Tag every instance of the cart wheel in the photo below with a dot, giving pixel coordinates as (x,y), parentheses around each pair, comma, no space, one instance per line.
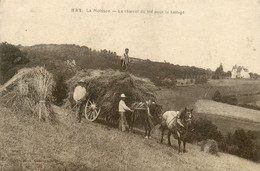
(91,111)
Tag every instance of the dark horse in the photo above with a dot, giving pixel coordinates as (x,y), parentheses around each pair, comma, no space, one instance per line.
(146,113)
(170,123)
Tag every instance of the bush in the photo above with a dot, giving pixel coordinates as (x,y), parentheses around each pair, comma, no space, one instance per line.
(10,58)
(166,82)
(224,99)
(60,90)
(249,106)
(243,144)
(205,129)
(217,96)
(202,80)
(229,100)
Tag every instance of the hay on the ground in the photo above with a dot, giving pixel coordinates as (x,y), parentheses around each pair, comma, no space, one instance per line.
(29,91)
(210,146)
(104,87)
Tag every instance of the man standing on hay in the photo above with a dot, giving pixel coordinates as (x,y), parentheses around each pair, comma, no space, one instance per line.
(125,60)
(122,108)
(79,96)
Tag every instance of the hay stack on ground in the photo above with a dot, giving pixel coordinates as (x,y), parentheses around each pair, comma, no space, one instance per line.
(29,91)
(104,87)
(210,146)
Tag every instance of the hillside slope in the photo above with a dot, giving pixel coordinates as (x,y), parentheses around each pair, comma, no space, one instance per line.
(53,57)
(30,144)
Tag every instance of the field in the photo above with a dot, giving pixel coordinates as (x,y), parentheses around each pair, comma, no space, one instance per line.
(228,124)
(28,144)
(216,108)
(246,91)
(179,97)
(228,118)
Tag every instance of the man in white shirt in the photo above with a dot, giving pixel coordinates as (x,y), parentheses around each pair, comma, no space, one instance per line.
(125,60)
(122,108)
(79,96)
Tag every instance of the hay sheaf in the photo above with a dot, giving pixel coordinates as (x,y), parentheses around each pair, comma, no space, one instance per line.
(29,91)
(104,87)
(210,146)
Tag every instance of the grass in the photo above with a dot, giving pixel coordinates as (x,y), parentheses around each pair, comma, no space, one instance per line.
(248,99)
(216,108)
(237,87)
(179,97)
(28,144)
(227,124)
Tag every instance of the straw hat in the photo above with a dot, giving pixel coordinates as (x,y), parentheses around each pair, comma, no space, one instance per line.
(123,95)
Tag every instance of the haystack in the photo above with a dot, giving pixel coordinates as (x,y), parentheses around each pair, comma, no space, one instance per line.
(104,88)
(210,146)
(30,92)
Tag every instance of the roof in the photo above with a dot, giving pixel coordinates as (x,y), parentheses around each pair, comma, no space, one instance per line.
(240,68)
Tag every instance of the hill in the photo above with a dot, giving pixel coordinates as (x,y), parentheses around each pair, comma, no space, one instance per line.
(28,144)
(54,57)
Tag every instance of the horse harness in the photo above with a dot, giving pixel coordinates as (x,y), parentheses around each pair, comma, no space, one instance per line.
(179,128)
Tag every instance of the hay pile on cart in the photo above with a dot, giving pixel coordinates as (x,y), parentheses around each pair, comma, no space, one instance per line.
(104,89)
(29,92)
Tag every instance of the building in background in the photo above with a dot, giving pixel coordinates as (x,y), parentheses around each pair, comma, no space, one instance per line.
(240,72)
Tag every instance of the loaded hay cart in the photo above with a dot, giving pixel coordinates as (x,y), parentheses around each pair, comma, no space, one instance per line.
(103,92)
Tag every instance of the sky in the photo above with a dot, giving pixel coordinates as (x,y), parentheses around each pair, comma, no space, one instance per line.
(209,32)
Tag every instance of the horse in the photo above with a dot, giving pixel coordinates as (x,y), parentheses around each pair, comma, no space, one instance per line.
(145,112)
(169,122)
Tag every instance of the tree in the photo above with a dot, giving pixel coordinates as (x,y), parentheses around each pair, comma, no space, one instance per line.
(218,72)
(10,57)
(205,129)
(244,143)
(217,96)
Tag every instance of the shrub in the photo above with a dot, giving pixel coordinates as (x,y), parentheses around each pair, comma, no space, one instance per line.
(202,80)
(166,82)
(10,57)
(254,107)
(217,96)
(224,99)
(243,144)
(229,100)
(205,129)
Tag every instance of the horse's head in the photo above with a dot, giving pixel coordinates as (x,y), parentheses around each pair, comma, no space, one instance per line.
(187,117)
